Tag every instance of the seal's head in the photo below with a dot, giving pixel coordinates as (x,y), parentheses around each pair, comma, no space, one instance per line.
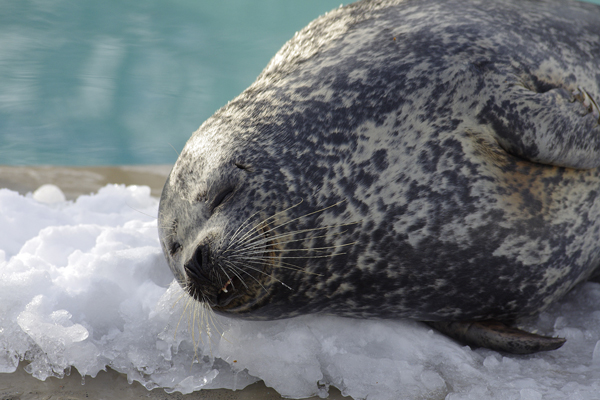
(237,226)
(213,238)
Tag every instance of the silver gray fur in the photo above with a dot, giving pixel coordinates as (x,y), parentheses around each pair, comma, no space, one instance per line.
(449,139)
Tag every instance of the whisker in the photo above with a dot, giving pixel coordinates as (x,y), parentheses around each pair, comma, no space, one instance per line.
(255,228)
(203,325)
(260,272)
(260,242)
(173,149)
(204,319)
(219,328)
(252,276)
(143,213)
(192,329)
(181,296)
(284,265)
(255,252)
(302,216)
(278,236)
(289,257)
(226,274)
(201,319)
(180,317)
(231,240)
(238,276)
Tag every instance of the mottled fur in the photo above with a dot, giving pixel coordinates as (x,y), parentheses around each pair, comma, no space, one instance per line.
(460,166)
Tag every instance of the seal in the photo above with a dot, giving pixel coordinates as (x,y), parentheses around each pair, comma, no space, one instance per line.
(422,159)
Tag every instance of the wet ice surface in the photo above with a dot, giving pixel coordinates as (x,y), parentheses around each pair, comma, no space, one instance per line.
(84,284)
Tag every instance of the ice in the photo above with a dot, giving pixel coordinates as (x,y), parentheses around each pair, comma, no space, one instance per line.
(49,194)
(83,284)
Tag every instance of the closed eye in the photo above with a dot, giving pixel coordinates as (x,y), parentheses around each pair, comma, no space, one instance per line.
(223,196)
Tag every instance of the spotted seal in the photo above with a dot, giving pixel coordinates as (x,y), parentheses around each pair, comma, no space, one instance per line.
(423,159)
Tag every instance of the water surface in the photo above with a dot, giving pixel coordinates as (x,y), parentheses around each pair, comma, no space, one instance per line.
(120,82)
(127,82)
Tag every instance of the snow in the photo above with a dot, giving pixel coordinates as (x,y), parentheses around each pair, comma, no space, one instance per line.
(83,284)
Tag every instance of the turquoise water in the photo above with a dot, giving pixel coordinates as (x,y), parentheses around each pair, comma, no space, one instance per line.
(120,82)
(125,82)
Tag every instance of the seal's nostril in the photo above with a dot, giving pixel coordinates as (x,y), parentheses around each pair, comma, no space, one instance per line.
(200,257)
(198,264)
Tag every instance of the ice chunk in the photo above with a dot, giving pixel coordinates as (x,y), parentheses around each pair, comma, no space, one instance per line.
(49,194)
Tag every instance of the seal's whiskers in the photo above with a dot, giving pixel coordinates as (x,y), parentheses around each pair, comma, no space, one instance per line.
(200,319)
(256,229)
(285,265)
(233,266)
(242,225)
(253,252)
(262,240)
(233,270)
(226,274)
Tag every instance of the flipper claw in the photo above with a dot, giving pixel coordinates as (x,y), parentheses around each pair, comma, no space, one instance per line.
(581,95)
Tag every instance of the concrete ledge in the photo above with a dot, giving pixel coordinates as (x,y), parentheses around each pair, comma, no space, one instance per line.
(75,181)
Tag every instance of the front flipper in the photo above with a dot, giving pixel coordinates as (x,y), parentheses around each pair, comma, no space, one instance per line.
(497,336)
(544,123)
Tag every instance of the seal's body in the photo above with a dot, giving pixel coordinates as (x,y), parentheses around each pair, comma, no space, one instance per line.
(434,160)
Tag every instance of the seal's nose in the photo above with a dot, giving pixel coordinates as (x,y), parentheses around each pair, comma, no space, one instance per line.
(198,267)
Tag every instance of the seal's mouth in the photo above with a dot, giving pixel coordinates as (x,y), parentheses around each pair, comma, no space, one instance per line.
(234,280)
(231,291)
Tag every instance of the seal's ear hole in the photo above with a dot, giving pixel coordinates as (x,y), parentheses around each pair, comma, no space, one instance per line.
(242,166)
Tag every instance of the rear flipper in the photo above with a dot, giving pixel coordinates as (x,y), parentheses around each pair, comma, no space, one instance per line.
(496,336)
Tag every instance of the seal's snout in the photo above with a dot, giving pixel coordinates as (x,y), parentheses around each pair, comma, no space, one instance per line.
(207,280)
(198,271)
